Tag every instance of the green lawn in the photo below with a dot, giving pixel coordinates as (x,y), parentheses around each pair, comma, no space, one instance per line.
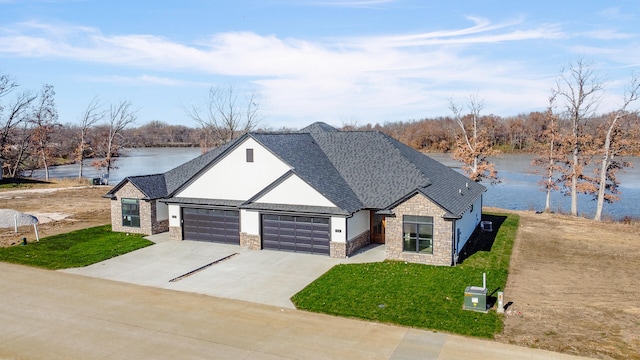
(75,249)
(417,295)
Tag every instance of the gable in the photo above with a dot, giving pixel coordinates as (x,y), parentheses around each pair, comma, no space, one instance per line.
(129,191)
(149,186)
(294,191)
(231,177)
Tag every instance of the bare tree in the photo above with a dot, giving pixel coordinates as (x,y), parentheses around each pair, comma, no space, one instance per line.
(7,85)
(44,118)
(608,166)
(549,152)
(225,117)
(16,114)
(473,147)
(12,115)
(579,91)
(92,114)
(120,116)
(19,150)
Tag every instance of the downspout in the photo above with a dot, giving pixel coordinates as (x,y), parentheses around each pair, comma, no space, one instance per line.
(453,243)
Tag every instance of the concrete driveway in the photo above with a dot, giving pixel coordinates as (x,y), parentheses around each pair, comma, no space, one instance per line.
(265,277)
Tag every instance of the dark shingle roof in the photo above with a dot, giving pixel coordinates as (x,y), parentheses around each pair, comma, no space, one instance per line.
(375,170)
(312,210)
(152,186)
(450,189)
(200,201)
(353,169)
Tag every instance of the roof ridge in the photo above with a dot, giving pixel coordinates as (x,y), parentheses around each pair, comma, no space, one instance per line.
(146,175)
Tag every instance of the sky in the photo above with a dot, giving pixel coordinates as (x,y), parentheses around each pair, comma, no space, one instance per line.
(338,61)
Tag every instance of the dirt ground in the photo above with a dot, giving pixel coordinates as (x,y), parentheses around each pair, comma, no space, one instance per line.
(61,210)
(574,287)
(573,283)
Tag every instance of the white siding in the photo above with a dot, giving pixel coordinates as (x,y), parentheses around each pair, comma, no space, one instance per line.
(162,211)
(295,191)
(467,224)
(338,229)
(358,223)
(174,215)
(233,178)
(250,222)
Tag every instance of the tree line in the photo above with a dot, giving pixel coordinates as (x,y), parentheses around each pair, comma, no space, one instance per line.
(568,137)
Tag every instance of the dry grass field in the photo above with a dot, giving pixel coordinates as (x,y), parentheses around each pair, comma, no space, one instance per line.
(574,287)
(59,210)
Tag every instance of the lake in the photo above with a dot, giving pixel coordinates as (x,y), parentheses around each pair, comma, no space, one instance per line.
(519,189)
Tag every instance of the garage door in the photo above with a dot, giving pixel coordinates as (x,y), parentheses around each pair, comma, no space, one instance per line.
(296,233)
(221,226)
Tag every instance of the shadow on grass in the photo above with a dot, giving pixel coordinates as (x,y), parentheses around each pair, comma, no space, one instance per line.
(16,182)
(482,240)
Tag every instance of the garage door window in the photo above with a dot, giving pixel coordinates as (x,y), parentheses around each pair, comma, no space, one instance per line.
(296,233)
(131,212)
(417,234)
(215,225)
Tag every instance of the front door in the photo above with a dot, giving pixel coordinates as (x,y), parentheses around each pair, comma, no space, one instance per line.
(378,224)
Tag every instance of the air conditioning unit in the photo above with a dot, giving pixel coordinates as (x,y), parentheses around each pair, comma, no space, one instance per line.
(486,226)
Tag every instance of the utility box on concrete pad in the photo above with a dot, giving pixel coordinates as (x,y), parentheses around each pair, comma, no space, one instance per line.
(475,298)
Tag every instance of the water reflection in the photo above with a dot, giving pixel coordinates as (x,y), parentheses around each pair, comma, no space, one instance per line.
(519,190)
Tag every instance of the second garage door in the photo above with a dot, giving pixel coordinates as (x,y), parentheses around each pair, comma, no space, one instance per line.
(296,233)
(215,225)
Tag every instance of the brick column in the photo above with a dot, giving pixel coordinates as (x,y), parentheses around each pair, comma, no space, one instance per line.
(250,241)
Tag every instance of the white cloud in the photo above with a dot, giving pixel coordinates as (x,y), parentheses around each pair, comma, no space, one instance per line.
(144,80)
(370,79)
(615,13)
(608,34)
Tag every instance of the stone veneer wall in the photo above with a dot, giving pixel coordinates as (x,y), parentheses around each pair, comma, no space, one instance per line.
(338,250)
(342,250)
(160,226)
(175,233)
(358,242)
(147,211)
(250,241)
(419,205)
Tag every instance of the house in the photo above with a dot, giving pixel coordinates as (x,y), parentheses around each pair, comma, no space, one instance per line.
(318,190)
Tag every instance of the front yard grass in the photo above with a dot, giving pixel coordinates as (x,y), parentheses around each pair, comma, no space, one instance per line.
(74,249)
(416,295)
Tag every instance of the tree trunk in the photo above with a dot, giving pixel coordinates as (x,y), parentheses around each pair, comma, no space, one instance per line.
(603,171)
(46,166)
(80,172)
(108,168)
(81,155)
(547,205)
(574,185)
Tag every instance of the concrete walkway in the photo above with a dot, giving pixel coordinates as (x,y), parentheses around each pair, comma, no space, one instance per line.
(55,315)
